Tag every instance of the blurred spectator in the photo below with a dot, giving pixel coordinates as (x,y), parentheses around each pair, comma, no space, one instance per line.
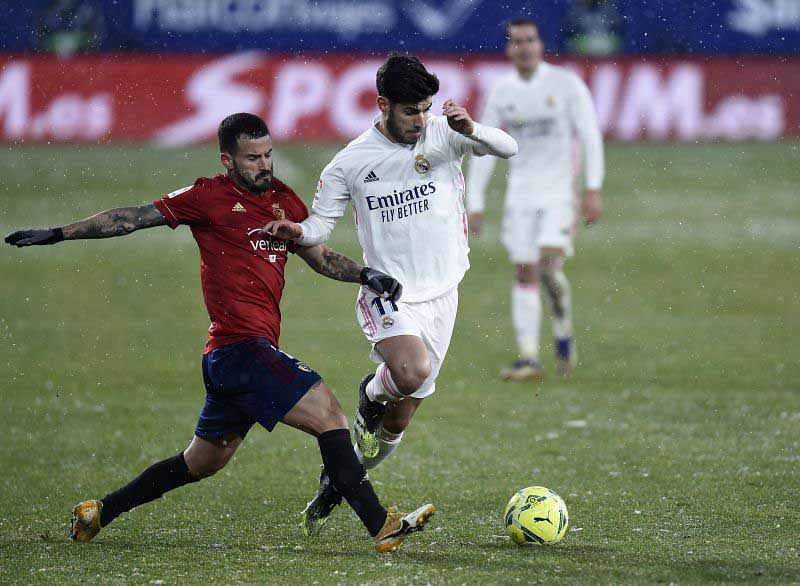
(68,27)
(594,28)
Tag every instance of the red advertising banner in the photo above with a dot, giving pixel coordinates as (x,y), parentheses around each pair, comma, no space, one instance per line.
(174,100)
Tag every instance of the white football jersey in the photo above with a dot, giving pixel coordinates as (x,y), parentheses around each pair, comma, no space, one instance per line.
(543,114)
(408,202)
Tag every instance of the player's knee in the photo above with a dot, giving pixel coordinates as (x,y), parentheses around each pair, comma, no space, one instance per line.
(551,262)
(208,467)
(410,377)
(546,274)
(527,275)
(335,419)
(551,271)
(330,415)
(205,458)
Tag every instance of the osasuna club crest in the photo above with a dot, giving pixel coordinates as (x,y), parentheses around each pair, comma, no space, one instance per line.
(279,213)
(421,164)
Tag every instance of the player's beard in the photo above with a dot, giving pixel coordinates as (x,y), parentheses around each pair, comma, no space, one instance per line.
(394,129)
(252,186)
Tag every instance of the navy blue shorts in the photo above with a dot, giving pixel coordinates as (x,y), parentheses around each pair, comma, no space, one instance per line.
(250,382)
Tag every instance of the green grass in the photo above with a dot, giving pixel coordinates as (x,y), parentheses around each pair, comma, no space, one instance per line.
(685,466)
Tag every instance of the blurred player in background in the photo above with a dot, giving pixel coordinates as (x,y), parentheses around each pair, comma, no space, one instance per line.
(542,106)
(403,176)
(248,379)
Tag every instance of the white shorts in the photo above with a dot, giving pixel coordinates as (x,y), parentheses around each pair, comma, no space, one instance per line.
(432,321)
(525,232)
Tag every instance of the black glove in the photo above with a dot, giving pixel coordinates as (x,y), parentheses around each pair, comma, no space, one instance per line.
(31,237)
(381,284)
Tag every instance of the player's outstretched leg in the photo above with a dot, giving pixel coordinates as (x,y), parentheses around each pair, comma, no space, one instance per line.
(350,479)
(559,298)
(343,476)
(320,414)
(90,516)
(205,458)
(316,513)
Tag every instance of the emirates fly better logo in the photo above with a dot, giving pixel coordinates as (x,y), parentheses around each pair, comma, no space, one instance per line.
(402,203)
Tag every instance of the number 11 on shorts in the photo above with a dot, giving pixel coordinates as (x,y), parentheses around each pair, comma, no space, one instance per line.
(378,303)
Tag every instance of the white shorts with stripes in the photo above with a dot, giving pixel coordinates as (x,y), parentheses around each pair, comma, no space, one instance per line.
(431,320)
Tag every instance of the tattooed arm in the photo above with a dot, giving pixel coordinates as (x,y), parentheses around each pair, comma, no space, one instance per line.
(330,263)
(116,222)
(333,265)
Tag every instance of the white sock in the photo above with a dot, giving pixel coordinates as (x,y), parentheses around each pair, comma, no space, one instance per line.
(388,441)
(382,387)
(526,314)
(559,299)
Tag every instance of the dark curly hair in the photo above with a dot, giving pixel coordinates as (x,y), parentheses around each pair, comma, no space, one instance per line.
(403,79)
(236,126)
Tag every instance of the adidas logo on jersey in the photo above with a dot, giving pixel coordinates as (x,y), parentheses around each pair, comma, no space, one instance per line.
(238,208)
(371,177)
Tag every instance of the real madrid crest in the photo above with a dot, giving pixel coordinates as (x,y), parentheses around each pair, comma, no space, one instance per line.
(279,213)
(551,101)
(388,322)
(421,164)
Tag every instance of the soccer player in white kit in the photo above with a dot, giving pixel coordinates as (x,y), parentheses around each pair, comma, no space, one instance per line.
(543,107)
(403,177)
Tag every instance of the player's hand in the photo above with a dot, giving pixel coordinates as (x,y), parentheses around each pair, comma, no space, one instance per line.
(592,206)
(283,230)
(475,223)
(33,237)
(458,118)
(381,284)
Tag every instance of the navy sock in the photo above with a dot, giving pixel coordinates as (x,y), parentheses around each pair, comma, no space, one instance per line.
(350,478)
(159,478)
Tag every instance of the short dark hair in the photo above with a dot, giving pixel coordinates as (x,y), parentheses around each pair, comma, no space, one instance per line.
(520,21)
(237,126)
(403,79)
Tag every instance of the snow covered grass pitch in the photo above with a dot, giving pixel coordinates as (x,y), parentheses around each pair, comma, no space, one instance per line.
(675,445)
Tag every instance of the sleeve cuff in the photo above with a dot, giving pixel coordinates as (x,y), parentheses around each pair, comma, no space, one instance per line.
(162,207)
(477,131)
